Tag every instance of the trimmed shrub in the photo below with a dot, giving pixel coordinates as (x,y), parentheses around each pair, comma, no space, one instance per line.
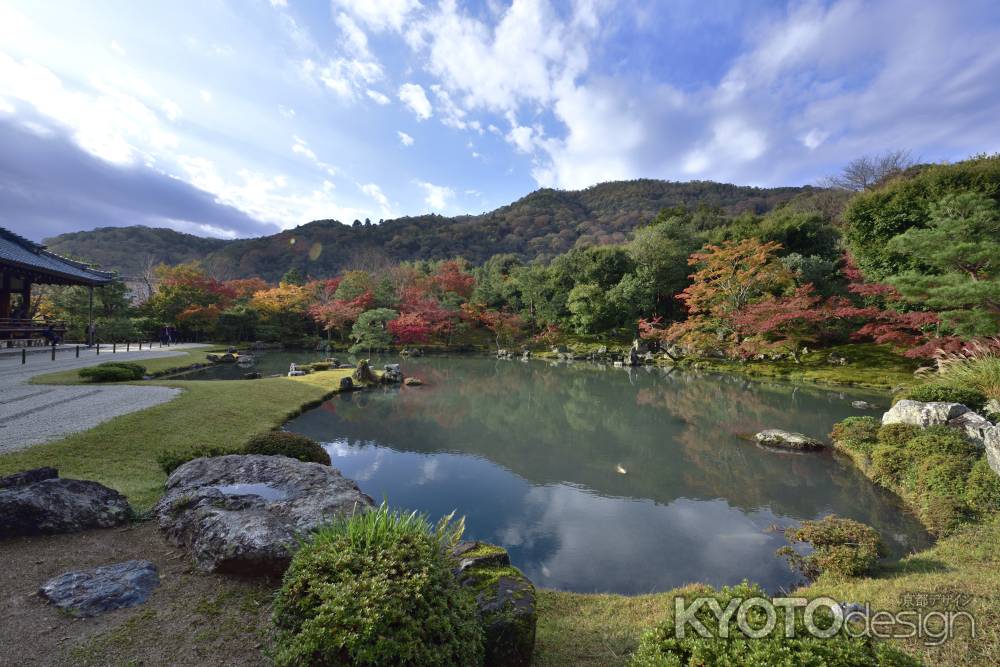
(842,546)
(947,393)
(940,475)
(283,443)
(888,465)
(376,589)
(940,440)
(171,460)
(113,371)
(982,490)
(856,433)
(897,435)
(660,647)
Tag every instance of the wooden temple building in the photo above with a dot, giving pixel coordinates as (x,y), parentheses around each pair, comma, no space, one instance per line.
(24,263)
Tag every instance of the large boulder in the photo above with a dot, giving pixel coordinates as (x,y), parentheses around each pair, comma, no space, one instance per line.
(917,413)
(38,502)
(505,599)
(92,592)
(246,513)
(363,374)
(973,426)
(775,437)
(992,444)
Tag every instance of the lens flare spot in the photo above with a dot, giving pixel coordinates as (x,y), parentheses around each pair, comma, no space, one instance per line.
(315,251)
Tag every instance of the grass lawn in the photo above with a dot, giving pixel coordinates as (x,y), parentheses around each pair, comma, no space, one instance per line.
(121,453)
(183,359)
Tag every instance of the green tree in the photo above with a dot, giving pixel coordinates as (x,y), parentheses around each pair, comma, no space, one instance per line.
(370,331)
(961,248)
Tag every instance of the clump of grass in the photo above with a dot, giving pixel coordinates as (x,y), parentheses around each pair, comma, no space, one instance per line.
(841,546)
(283,443)
(375,589)
(976,366)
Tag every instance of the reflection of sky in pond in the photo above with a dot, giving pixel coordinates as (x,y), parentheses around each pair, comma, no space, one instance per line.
(532,455)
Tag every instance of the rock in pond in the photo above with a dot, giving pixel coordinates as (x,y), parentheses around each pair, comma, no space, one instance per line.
(346,384)
(392,373)
(91,592)
(363,374)
(245,513)
(774,437)
(505,599)
(38,502)
(922,414)
(863,405)
(413,382)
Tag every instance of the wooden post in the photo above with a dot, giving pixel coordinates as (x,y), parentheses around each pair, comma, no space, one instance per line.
(53,349)
(90,321)
(98,349)
(24,356)
(77,351)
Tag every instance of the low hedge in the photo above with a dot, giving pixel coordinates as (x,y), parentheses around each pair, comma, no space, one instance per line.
(113,371)
(842,546)
(662,647)
(283,443)
(376,590)
(170,461)
(941,392)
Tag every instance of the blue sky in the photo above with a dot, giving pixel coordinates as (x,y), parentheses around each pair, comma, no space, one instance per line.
(238,118)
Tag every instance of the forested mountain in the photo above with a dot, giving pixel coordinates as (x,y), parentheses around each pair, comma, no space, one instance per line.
(131,249)
(541,225)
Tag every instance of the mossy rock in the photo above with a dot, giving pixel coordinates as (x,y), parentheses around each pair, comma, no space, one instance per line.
(505,599)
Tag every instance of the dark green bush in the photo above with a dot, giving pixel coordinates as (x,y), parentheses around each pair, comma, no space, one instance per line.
(376,590)
(842,546)
(171,460)
(940,440)
(283,443)
(946,393)
(113,371)
(940,475)
(856,433)
(982,491)
(660,647)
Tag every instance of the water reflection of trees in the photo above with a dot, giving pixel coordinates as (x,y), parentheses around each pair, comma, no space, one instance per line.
(676,435)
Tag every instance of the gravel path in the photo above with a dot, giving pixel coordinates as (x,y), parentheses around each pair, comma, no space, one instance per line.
(31,414)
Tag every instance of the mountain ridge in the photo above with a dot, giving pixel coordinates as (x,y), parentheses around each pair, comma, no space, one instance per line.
(540,225)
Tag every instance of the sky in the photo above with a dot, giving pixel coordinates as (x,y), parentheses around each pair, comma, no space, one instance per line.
(238,118)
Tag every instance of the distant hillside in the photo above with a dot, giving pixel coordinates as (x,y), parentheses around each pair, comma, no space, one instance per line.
(541,225)
(129,249)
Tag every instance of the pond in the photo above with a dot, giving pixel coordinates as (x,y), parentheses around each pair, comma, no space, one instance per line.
(607,479)
(272,362)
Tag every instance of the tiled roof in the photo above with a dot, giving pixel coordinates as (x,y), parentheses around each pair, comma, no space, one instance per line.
(19,252)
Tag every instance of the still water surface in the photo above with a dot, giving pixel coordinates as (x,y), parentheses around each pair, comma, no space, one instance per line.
(614,480)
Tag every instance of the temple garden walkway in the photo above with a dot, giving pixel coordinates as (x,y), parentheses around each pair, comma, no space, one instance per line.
(31,414)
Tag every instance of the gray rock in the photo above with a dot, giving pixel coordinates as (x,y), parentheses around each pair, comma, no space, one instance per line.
(973,426)
(245,513)
(787,440)
(863,405)
(28,477)
(91,592)
(992,444)
(392,373)
(37,502)
(992,408)
(505,599)
(413,382)
(922,414)
(363,373)
(346,384)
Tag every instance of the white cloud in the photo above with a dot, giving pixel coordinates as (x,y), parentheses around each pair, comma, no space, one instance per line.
(301,147)
(436,196)
(206,96)
(379,15)
(357,41)
(404,138)
(375,192)
(814,138)
(287,112)
(279,3)
(346,76)
(413,96)
(116,47)
(379,98)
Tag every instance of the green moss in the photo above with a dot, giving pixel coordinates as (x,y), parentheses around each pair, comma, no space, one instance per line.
(856,433)
(982,492)
(283,443)
(945,392)
(484,550)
